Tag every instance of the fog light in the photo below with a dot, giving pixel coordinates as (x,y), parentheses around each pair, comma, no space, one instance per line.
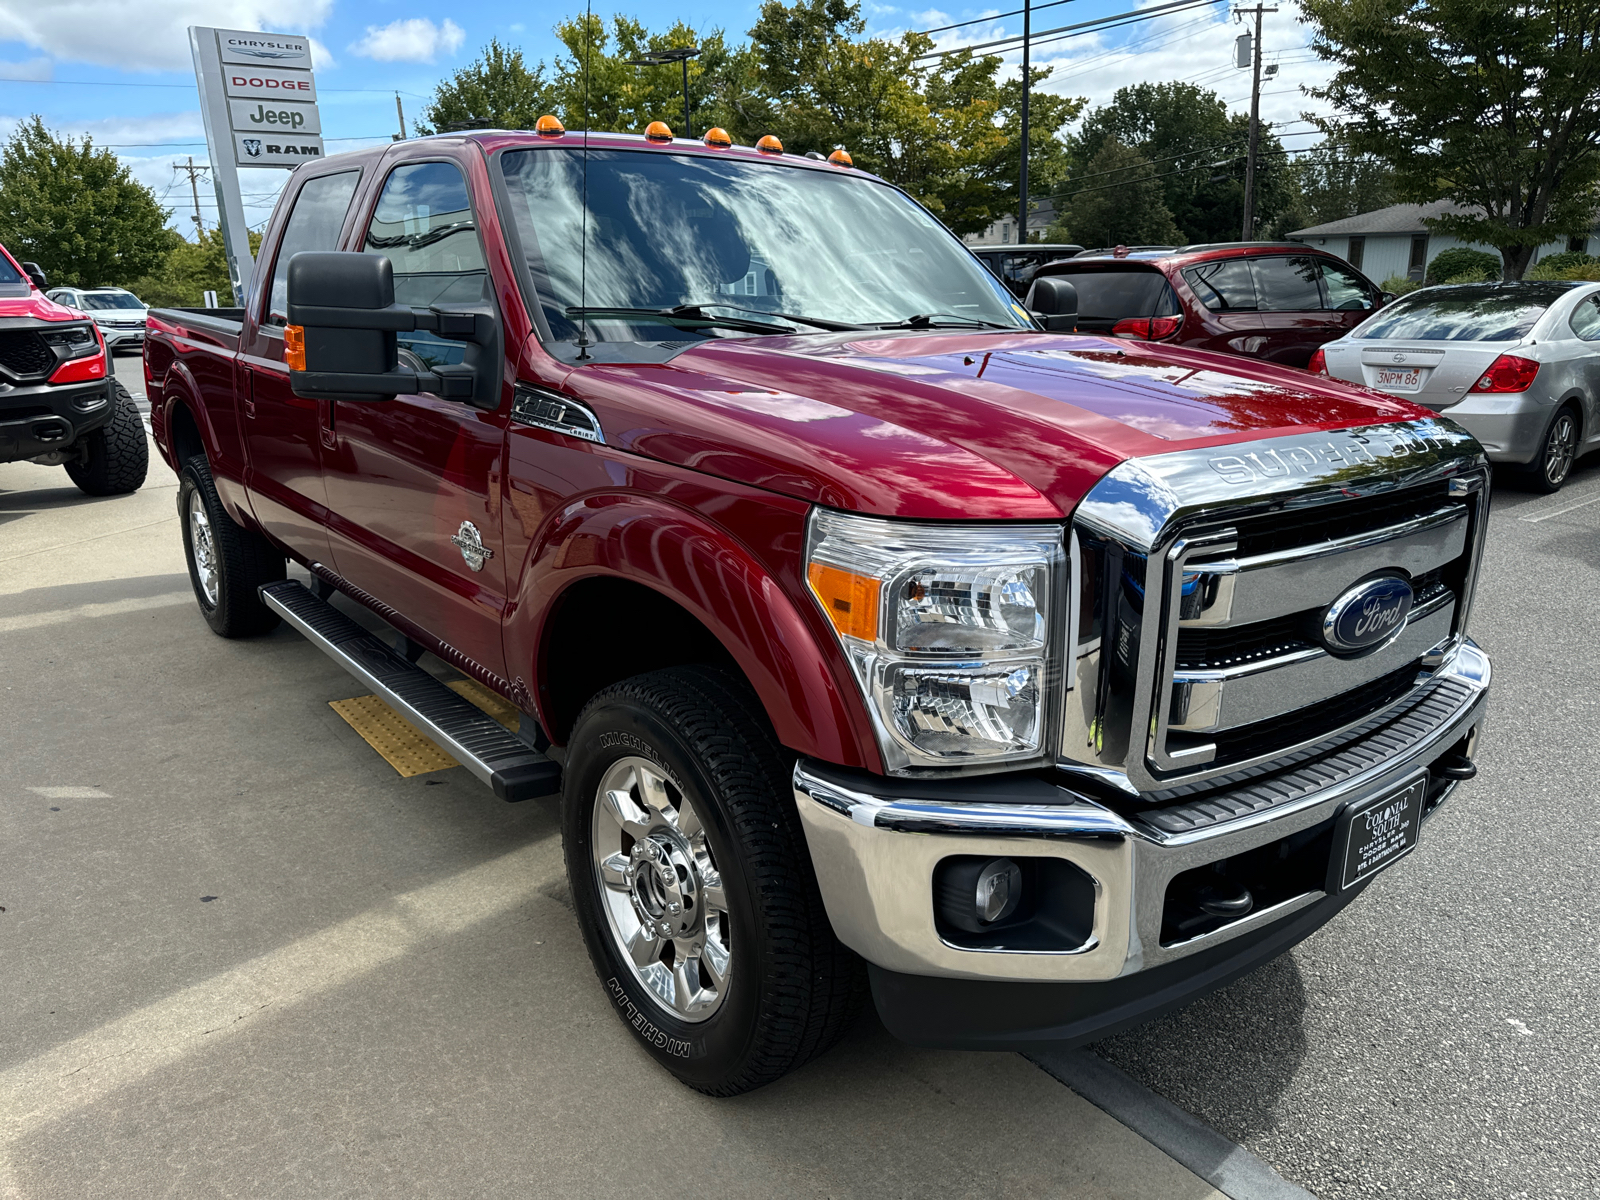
(999,888)
(974,894)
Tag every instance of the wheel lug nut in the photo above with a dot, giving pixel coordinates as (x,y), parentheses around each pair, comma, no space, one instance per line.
(674,908)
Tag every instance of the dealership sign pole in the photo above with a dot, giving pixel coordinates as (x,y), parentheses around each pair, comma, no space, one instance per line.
(258,99)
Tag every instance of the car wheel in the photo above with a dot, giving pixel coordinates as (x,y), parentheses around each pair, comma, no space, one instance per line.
(693,886)
(1551,466)
(116,456)
(227,562)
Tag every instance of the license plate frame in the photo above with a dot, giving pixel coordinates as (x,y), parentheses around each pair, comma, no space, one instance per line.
(1373,834)
(1400,379)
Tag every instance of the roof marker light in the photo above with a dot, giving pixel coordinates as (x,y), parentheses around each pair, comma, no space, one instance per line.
(769,145)
(719,138)
(548,126)
(658,131)
(841,158)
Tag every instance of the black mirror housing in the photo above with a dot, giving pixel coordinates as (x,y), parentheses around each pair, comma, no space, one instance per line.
(1053,301)
(36,275)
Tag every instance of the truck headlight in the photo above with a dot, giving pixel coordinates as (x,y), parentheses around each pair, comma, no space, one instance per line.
(948,629)
(72,341)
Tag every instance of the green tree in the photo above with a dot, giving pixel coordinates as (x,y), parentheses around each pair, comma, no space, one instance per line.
(1335,181)
(1485,102)
(1197,148)
(497,90)
(1118,201)
(1459,263)
(188,270)
(76,211)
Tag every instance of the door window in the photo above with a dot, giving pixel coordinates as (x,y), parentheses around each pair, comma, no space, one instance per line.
(1585,319)
(1347,291)
(424,225)
(314,224)
(1286,284)
(1225,285)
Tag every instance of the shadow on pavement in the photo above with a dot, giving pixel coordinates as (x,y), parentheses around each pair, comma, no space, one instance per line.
(72,595)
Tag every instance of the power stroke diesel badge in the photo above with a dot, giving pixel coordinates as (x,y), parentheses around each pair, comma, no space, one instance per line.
(471,546)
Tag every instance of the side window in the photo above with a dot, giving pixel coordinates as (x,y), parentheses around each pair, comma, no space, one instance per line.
(1585,319)
(1347,291)
(1224,286)
(424,224)
(1286,284)
(314,224)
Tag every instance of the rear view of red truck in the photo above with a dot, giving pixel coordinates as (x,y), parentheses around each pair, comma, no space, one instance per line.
(880,635)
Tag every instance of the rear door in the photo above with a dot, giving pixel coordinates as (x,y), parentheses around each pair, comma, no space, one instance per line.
(282,431)
(1226,289)
(410,479)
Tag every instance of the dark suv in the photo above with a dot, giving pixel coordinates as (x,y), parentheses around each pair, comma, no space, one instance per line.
(1277,301)
(1014,265)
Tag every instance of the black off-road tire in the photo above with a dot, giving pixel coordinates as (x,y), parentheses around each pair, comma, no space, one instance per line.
(241,559)
(793,987)
(117,457)
(1559,448)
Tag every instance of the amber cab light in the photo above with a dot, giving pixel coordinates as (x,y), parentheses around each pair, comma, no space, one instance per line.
(294,347)
(841,158)
(548,126)
(1147,329)
(769,145)
(658,131)
(1508,373)
(1318,364)
(718,138)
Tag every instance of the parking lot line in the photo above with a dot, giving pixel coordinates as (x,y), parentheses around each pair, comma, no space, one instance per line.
(1562,511)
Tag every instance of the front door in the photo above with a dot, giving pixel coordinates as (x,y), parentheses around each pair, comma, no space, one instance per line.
(411,481)
(283,431)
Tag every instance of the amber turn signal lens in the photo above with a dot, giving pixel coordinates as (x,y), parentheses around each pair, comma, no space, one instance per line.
(769,145)
(294,347)
(548,126)
(658,131)
(841,158)
(718,138)
(850,600)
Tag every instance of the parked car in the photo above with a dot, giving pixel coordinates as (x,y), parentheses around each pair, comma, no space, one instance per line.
(118,312)
(1276,301)
(1014,265)
(870,631)
(59,405)
(1517,364)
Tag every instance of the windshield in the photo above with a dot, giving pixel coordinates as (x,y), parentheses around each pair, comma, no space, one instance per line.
(668,230)
(1106,296)
(93,300)
(1464,313)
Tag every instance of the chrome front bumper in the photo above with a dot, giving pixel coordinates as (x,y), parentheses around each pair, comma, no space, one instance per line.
(875,853)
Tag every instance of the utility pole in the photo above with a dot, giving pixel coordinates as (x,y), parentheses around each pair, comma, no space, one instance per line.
(1022,183)
(1249,232)
(194,187)
(401,113)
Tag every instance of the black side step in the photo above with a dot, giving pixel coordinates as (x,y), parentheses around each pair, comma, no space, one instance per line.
(476,740)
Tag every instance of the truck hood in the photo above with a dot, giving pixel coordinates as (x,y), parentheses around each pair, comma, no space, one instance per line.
(952,424)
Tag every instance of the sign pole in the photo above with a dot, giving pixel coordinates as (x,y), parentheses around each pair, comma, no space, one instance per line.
(224,174)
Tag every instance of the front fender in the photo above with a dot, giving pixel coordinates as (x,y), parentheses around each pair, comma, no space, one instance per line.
(791,661)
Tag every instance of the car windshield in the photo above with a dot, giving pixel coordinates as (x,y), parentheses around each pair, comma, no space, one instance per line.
(94,300)
(669,230)
(1464,313)
(1108,296)
(8,273)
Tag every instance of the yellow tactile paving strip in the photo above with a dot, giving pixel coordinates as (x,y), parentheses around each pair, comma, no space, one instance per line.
(401,743)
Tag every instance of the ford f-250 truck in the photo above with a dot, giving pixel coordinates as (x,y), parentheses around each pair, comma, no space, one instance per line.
(876,630)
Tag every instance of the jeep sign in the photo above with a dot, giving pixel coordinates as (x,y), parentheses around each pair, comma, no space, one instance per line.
(273,116)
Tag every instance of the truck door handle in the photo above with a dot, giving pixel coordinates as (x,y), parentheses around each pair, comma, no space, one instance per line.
(325,422)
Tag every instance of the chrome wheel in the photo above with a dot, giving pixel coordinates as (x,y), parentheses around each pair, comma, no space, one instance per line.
(660,889)
(1560,449)
(202,548)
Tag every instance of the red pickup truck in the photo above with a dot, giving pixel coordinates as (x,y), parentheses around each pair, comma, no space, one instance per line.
(878,632)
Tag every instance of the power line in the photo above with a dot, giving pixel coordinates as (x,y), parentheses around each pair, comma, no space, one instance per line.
(1115,21)
(189,87)
(986,20)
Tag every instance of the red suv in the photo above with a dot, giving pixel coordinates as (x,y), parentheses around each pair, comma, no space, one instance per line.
(1273,300)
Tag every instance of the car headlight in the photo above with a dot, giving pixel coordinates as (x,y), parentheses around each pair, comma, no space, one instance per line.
(72,341)
(948,629)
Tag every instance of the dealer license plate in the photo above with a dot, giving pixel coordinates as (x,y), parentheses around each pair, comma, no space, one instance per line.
(1406,379)
(1371,834)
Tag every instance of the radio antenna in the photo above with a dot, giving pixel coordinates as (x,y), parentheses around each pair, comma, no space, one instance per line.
(583,232)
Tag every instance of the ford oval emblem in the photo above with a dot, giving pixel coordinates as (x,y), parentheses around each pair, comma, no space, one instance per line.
(1368,616)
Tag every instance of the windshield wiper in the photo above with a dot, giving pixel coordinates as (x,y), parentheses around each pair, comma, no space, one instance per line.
(682,316)
(819,322)
(942,320)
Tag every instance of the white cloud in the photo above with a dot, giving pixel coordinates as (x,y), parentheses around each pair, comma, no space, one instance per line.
(141,35)
(412,39)
(33,69)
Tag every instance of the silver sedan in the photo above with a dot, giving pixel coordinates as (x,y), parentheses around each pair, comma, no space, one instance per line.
(1518,364)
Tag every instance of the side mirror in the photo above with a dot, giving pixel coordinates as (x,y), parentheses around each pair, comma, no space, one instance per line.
(1389,297)
(1054,301)
(37,275)
(341,341)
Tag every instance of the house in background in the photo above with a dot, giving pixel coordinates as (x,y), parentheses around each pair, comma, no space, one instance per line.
(1393,241)
(1041,215)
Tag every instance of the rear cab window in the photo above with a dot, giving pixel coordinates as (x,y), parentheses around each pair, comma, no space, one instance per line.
(314,224)
(1107,295)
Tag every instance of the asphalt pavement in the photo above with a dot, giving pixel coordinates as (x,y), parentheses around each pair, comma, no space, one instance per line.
(244,957)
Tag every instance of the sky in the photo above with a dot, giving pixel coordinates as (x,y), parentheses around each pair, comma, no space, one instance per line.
(120,71)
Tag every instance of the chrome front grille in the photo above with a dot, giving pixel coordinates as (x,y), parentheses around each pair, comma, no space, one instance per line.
(1205,578)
